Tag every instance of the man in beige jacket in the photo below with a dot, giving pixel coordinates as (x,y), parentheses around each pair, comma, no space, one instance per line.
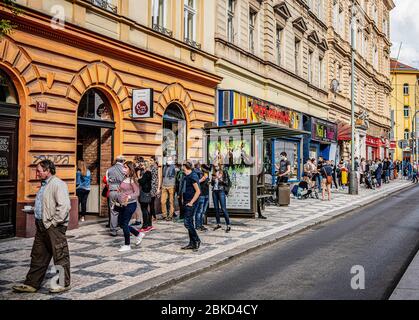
(52,208)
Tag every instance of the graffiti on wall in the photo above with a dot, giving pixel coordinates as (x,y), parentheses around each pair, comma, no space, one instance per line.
(55,158)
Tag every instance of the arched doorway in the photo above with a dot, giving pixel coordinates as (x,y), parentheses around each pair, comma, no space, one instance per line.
(9,127)
(95,144)
(174,137)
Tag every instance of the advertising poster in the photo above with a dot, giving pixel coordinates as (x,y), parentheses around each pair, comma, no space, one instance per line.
(230,152)
(239,197)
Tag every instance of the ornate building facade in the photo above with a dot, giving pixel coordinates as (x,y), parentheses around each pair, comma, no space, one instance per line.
(372,72)
(68,72)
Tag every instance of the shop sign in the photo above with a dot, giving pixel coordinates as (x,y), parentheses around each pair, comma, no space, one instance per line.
(142,103)
(373,141)
(276,114)
(41,107)
(323,131)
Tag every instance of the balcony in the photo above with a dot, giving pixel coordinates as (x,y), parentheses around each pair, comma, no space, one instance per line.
(192,43)
(104,4)
(162,30)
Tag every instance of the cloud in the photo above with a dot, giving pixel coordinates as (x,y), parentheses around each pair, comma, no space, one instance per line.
(405,29)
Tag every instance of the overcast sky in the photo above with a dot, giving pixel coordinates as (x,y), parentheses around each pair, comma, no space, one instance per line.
(405,30)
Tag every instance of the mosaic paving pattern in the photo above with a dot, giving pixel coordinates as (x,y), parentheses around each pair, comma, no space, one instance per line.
(98,269)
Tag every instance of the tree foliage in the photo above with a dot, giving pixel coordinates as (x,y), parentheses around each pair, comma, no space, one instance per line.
(6,26)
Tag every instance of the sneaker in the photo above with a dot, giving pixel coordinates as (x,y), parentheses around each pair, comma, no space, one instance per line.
(114,233)
(136,223)
(203,229)
(217,227)
(228,229)
(151,228)
(189,247)
(59,289)
(124,248)
(82,219)
(142,230)
(23,288)
(139,239)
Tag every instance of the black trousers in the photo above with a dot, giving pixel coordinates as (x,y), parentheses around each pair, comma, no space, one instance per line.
(152,207)
(82,194)
(146,215)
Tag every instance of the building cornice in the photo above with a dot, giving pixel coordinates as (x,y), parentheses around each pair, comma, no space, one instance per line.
(39,24)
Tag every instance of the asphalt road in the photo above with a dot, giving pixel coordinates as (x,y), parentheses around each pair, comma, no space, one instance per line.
(316,264)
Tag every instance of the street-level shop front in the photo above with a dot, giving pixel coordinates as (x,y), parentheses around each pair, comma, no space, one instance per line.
(248,139)
(69,105)
(377,148)
(323,139)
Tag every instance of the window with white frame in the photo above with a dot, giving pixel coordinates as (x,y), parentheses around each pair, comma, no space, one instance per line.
(279,31)
(375,14)
(336,16)
(406,134)
(406,89)
(230,20)
(320,6)
(375,57)
(310,65)
(190,16)
(159,13)
(321,72)
(341,26)
(252,30)
(297,46)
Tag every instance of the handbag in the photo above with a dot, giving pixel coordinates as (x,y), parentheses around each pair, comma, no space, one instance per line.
(329,179)
(116,206)
(105,191)
(145,197)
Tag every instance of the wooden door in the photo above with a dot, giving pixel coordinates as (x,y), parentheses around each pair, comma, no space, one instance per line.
(8,175)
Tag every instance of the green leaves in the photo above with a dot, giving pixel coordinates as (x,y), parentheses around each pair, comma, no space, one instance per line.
(6,26)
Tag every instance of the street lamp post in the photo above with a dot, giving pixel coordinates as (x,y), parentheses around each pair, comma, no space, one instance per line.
(353,179)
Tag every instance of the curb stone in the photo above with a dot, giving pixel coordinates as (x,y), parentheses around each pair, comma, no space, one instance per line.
(159,283)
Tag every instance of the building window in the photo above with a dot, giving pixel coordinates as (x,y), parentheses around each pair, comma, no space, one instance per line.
(278,44)
(310,66)
(226,106)
(321,73)
(375,14)
(105,4)
(375,57)
(341,26)
(336,16)
(297,46)
(406,89)
(320,5)
(230,20)
(159,17)
(190,14)
(406,134)
(406,111)
(252,22)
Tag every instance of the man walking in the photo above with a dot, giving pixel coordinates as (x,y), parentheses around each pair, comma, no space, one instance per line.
(115,175)
(190,196)
(52,207)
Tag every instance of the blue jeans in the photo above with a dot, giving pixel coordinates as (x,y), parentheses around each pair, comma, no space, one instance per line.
(124,219)
(219,198)
(199,212)
(319,182)
(188,213)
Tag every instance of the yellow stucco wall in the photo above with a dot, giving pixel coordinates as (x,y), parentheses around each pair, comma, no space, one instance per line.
(399,100)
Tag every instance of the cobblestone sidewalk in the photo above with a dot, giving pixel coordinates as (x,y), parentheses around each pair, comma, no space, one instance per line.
(99,270)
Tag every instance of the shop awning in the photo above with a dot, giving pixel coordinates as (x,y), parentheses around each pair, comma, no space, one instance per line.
(269,130)
(344,131)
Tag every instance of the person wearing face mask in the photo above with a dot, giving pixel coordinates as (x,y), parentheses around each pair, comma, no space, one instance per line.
(284,168)
(168,184)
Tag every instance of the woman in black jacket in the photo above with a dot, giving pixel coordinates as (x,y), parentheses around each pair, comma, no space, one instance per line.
(220,184)
(145,180)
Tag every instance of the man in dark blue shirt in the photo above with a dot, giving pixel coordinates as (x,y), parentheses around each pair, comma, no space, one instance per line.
(190,196)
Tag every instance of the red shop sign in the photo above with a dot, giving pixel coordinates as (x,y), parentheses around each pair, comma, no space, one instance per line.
(272,114)
(372,141)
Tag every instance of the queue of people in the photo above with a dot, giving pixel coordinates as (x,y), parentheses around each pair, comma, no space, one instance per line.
(137,186)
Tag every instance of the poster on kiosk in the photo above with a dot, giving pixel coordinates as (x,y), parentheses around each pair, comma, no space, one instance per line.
(235,154)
